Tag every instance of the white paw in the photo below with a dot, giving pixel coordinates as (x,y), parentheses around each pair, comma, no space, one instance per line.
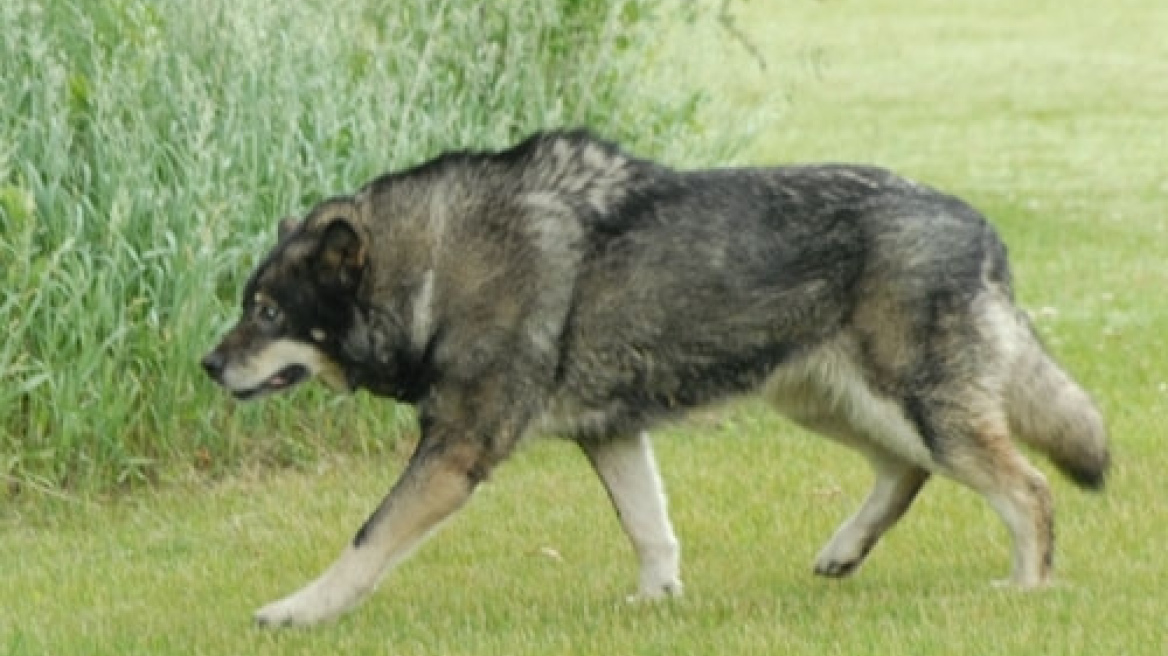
(840,557)
(656,592)
(317,602)
(299,609)
(282,613)
(1014,584)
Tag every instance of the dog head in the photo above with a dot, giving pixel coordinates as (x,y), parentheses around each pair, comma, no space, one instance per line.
(297,305)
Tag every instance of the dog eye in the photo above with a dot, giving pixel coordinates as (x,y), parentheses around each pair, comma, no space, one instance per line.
(268,313)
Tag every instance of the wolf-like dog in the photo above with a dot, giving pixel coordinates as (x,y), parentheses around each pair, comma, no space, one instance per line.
(565,287)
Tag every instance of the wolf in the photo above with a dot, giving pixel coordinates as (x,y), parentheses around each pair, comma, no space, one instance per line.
(568,288)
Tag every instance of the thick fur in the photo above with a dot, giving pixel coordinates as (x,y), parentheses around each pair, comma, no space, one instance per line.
(565,287)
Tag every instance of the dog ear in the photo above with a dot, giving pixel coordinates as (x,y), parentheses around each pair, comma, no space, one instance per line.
(287,226)
(340,257)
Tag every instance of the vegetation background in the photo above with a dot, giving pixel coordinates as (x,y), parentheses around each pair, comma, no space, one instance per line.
(147,147)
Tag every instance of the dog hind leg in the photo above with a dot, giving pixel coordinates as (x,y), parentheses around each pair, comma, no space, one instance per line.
(628,470)
(828,394)
(1021,496)
(897,484)
(977,451)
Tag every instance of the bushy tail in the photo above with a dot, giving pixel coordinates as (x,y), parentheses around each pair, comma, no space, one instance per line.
(1052,413)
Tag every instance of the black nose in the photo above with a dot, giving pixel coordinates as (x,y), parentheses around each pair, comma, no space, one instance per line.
(213,364)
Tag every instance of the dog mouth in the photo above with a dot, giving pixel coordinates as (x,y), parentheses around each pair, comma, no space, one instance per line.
(287,377)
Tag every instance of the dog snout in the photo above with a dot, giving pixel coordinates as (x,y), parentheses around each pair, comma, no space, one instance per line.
(213,364)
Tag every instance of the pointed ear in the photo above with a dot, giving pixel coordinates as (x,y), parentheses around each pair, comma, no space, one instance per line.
(340,258)
(287,226)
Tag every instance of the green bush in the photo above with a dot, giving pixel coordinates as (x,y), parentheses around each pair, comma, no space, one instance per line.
(147,147)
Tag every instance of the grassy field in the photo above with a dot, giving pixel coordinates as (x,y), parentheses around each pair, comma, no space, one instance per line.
(1052,117)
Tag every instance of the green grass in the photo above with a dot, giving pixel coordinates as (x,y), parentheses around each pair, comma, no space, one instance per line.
(1049,116)
(181,571)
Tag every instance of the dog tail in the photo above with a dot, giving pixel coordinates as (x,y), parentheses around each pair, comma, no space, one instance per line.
(1049,411)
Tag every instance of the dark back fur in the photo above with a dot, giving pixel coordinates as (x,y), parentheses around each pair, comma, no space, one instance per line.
(626,290)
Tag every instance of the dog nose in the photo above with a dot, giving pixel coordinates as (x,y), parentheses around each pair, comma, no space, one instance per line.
(213,364)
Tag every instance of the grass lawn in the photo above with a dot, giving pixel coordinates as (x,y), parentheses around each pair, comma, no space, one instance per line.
(181,571)
(1052,117)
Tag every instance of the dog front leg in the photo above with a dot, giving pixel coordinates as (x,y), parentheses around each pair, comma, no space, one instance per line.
(438,480)
(628,470)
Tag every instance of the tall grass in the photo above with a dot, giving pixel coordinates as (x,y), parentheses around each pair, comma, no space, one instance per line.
(147,147)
